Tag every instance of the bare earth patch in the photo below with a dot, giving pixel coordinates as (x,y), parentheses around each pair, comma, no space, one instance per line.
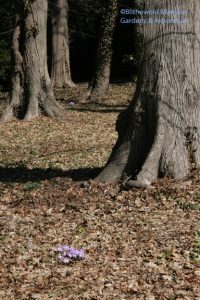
(139,244)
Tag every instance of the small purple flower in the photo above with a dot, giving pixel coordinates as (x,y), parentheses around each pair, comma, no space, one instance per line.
(67,254)
(72,103)
(63,248)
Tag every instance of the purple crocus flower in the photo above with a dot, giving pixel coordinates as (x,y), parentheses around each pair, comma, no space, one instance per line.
(62,248)
(67,254)
(72,103)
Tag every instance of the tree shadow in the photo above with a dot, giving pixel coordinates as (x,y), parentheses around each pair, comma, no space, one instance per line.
(21,174)
(97,107)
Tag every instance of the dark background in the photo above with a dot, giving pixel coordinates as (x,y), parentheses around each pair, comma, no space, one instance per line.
(84,19)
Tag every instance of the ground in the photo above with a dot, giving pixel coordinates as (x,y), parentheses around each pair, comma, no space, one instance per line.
(140,244)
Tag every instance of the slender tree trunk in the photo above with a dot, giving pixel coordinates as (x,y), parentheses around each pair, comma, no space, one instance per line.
(100,83)
(60,73)
(37,96)
(159,134)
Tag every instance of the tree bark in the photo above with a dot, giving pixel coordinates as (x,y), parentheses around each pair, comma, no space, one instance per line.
(30,61)
(60,73)
(159,133)
(100,82)
(16,77)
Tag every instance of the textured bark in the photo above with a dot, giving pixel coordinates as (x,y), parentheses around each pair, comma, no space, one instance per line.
(159,134)
(99,84)
(37,96)
(16,77)
(60,73)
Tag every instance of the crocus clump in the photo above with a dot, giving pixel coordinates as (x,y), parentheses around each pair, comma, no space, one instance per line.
(68,254)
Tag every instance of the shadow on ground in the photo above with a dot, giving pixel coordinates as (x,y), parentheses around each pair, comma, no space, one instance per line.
(73,104)
(21,174)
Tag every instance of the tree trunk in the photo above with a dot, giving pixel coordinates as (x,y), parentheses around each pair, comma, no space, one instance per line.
(100,83)
(16,77)
(60,73)
(30,55)
(159,133)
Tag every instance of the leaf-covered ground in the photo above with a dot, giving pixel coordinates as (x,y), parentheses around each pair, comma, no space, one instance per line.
(140,244)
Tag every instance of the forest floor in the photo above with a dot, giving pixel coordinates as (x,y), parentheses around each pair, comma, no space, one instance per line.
(139,244)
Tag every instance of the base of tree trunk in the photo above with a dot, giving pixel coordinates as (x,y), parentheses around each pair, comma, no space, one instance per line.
(8,114)
(143,158)
(63,86)
(49,107)
(96,94)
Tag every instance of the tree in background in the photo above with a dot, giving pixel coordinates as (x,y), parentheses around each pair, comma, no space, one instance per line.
(31,91)
(60,72)
(100,82)
(159,133)
(84,18)
(6,20)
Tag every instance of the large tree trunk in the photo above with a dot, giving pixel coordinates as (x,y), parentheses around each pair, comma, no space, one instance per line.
(60,73)
(100,83)
(16,76)
(159,134)
(34,94)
